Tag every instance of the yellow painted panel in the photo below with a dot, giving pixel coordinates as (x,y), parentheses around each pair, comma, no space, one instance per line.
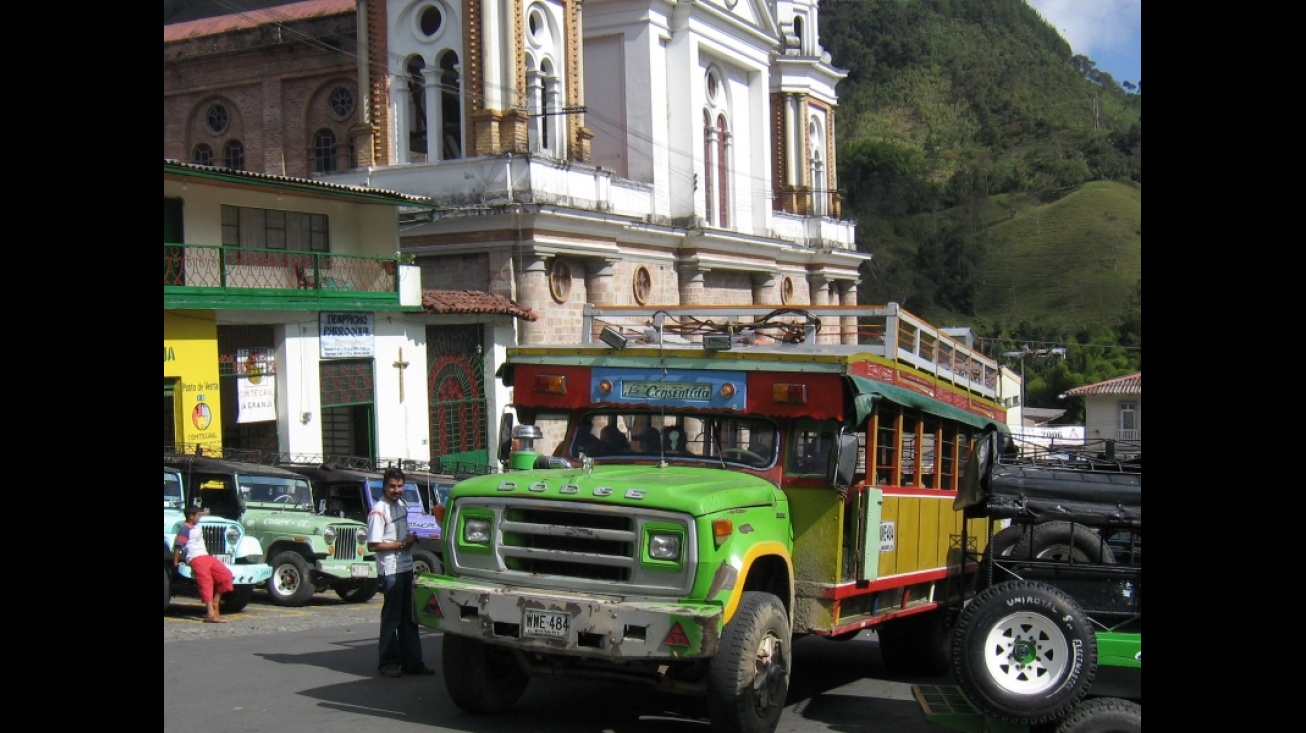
(190,355)
(890,514)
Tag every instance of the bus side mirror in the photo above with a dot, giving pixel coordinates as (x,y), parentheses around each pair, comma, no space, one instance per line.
(843,462)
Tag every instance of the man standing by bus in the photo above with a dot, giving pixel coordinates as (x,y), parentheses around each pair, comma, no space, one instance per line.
(388,536)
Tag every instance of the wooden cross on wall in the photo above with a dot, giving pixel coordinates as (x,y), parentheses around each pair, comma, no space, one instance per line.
(401,365)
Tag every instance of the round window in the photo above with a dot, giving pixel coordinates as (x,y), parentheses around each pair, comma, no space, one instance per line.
(430,21)
(787,290)
(341,102)
(217,119)
(642,284)
(559,280)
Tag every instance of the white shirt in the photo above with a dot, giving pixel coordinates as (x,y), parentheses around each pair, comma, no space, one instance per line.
(389,523)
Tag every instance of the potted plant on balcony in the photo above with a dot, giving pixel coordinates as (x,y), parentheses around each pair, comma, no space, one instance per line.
(402,258)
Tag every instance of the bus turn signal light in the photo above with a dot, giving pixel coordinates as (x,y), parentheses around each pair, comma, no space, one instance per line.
(789,394)
(550,384)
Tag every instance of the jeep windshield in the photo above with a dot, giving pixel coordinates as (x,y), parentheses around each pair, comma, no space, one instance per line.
(411,496)
(276,491)
(172,496)
(675,436)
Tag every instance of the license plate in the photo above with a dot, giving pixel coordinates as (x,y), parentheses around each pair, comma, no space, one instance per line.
(545,623)
(359,570)
(224,559)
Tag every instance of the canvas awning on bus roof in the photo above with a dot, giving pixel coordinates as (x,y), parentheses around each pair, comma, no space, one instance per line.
(867,391)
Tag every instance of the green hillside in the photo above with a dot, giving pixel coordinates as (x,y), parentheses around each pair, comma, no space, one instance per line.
(995,176)
(1075,260)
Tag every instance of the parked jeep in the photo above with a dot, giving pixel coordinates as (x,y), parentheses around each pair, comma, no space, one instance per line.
(352,492)
(225,539)
(309,553)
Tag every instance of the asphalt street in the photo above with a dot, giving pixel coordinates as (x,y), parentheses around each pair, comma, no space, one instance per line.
(314,668)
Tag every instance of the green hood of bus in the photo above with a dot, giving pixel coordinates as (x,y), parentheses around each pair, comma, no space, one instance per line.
(693,490)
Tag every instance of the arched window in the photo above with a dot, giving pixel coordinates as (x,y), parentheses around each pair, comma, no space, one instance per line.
(233,155)
(709,165)
(816,160)
(451,108)
(202,154)
(723,168)
(417,150)
(716,151)
(324,151)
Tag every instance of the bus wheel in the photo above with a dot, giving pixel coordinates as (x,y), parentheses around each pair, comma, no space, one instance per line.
(1024,652)
(749,676)
(919,644)
(1064,541)
(1104,715)
(481,678)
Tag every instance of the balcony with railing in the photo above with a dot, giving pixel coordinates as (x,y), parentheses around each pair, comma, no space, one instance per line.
(205,276)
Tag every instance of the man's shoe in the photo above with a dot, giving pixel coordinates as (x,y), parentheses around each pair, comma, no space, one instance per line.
(392,672)
(420,670)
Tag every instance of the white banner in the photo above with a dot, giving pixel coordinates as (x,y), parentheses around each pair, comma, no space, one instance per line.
(256,398)
(346,335)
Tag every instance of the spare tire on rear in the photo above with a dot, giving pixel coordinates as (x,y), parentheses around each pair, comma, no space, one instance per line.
(1063,541)
(1024,652)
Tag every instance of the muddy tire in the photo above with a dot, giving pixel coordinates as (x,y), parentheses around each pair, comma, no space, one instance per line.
(426,562)
(167,588)
(481,678)
(1024,652)
(1063,542)
(291,583)
(1104,715)
(748,678)
(236,600)
(360,592)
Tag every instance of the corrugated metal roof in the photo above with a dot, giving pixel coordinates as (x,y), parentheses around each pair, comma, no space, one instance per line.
(303,184)
(255,18)
(473,301)
(1128,384)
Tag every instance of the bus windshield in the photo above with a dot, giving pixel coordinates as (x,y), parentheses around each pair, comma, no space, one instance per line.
(744,440)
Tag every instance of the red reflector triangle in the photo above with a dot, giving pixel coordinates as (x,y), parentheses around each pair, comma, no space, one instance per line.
(676,637)
(433,608)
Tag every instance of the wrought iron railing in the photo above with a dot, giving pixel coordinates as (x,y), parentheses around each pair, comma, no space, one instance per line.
(217,266)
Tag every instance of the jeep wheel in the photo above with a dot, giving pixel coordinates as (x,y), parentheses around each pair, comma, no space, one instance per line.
(481,678)
(358,592)
(290,584)
(426,562)
(1104,715)
(1024,652)
(167,588)
(749,676)
(917,645)
(1063,542)
(236,600)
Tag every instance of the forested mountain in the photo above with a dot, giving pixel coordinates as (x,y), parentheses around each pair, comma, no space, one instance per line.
(996,177)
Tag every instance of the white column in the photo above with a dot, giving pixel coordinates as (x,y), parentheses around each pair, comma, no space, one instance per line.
(434,126)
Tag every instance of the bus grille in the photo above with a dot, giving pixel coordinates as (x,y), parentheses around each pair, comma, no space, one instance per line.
(580,547)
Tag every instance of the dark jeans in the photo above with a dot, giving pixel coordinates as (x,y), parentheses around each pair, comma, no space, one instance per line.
(400,645)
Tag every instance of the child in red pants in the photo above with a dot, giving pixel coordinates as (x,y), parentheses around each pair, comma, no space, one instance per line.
(212,577)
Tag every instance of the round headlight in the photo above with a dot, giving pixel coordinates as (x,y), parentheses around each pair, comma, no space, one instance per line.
(329,535)
(233,535)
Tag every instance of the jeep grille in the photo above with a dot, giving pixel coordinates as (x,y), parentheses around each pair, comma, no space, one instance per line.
(346,543)
(215,539)
(574,546)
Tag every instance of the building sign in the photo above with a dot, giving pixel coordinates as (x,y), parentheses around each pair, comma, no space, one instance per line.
(256,391)
(345,335)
